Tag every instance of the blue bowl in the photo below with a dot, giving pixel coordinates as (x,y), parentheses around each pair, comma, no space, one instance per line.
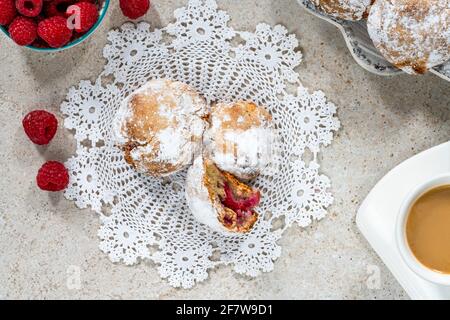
(72,44)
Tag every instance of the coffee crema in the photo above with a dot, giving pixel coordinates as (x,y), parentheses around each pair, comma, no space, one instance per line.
(428,229)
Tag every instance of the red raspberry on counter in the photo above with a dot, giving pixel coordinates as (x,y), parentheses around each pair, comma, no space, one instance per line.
(134,9)
(23,31)
(7,12)
(29,8)
(40,126)
(54,31)
(88,15)
(52,176)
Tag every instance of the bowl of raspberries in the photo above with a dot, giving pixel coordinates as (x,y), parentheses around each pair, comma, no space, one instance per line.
(51,25)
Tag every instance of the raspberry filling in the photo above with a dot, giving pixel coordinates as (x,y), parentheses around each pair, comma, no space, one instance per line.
(236,199)
(243,206)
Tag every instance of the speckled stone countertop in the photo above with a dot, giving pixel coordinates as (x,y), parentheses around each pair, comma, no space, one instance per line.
(384,121)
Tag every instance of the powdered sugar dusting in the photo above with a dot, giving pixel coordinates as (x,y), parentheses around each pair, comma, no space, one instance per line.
(252,151)
(171,142)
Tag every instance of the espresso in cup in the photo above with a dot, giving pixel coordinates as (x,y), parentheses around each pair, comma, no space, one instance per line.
(428,229)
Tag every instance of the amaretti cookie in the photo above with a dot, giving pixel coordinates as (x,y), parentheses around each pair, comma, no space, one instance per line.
(345,9)
(240,138)
(160,126)
(219,200)
(414,35)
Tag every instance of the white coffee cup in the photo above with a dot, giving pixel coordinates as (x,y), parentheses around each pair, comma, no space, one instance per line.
(402,243)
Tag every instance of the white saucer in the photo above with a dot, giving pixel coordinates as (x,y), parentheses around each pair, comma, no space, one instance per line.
(377,215)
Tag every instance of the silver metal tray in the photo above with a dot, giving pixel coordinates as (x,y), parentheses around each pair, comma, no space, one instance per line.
(362,48)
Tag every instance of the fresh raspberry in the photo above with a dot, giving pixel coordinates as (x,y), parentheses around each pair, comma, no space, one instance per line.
(54,31)
(23,31)
(7,12)
(40,126)
(57,7)
(88,15)
(29,8)
(134,9)
(52,176)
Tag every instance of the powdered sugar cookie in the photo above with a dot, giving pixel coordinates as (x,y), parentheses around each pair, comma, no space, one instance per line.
(240,138)
(159,127)
(414,35)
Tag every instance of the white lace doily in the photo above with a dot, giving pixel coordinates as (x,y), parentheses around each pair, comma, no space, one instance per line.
(147,218)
